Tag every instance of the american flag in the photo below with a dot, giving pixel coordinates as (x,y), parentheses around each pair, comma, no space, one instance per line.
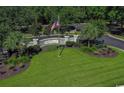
(56,24)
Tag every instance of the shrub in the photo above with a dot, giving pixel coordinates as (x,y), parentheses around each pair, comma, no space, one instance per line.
(101,46)
(33,50)
(88,49)
(36,49)
(23,59)
(70,43)
(12,61)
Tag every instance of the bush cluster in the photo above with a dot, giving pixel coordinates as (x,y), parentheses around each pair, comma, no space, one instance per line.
(72,44)
(32,50)
(13,61)
(88,49)
(105,52)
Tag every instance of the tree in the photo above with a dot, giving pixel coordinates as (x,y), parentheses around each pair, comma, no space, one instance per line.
(113,14)
(120,15)
(4,30)
(93,30)
(14,42)
(16,18)
(95,12)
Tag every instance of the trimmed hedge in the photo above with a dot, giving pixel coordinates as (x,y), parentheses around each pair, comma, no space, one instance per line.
(32,50)
(88,49)
(13,61)
(72,44)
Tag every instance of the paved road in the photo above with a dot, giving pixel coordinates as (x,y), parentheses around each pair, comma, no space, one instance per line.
(109,40)
(113,41)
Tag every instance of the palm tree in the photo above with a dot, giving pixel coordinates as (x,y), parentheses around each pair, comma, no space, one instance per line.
(4,30)
(93,30)
(13,42)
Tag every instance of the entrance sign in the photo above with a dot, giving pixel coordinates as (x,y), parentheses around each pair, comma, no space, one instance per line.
(51,42)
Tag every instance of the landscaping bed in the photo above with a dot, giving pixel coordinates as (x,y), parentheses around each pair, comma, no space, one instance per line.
(17,63)
(13,65)
(100,52)
(6,71)
(105,52)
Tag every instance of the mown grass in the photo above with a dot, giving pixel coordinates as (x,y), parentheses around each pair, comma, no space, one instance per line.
(73,68)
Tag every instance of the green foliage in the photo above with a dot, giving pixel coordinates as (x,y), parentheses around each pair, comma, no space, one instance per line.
(12,61)
(113,15)
(43,30)
(94,12)
(33,49)
(4,30)
(101,45)
(12,18)
(70,43)
(36,48)
(93,29)
(14,40)
(20,16)
(88,49)
(23,59)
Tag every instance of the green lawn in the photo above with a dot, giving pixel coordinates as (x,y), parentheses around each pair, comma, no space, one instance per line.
(74,68)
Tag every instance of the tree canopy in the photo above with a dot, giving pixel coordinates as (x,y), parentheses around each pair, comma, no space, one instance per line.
(13,17)
(45,15)
(93,30)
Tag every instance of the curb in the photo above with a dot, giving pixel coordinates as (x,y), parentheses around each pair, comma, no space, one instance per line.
(115,37)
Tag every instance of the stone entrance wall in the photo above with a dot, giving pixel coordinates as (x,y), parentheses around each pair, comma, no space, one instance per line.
(53,40)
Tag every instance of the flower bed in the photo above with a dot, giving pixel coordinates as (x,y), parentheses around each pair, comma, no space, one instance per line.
(100,52)
(14,66)
(105,52)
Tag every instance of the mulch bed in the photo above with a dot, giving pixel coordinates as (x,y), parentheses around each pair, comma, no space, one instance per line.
(105,53)
(6,71)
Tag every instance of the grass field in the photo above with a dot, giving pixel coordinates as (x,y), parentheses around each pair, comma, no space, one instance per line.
(73,68)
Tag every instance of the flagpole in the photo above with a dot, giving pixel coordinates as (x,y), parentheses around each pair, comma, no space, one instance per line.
(58,35)
(59,26)
(61,50)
